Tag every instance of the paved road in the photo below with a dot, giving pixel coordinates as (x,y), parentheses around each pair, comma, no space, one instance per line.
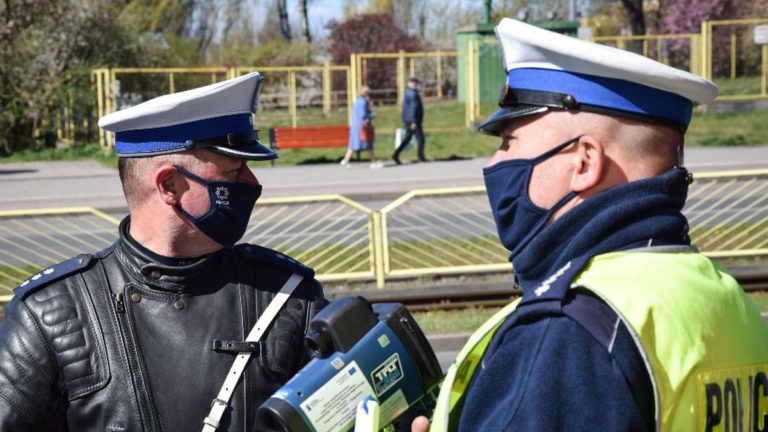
(87,183)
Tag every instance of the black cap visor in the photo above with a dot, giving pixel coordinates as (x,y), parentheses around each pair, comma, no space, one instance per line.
(494,124)
(253,151)
(236,145)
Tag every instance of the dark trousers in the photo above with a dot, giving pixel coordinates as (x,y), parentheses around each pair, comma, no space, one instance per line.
(409,133)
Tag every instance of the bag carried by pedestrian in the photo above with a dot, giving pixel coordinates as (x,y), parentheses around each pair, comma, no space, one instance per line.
(367,133)
(399,135)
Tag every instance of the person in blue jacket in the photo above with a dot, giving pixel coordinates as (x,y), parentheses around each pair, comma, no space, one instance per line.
(362,117)
(413,117)
(590,166)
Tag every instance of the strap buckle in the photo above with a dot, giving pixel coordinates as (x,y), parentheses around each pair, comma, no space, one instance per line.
(235,346)
(218,407)
(220,404)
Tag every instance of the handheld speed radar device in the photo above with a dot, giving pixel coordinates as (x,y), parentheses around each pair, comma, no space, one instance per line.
(360,351)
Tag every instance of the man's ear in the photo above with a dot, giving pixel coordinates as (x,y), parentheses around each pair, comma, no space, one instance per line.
(589,164)
(169,184)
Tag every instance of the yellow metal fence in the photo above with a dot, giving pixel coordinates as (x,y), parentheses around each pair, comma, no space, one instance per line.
(429,66)
(444,230)
(330,233)
(657,48)
(308,86)
(291,95)
(728,213)
(31,240)
(319,90)
(747,73)
(424,232)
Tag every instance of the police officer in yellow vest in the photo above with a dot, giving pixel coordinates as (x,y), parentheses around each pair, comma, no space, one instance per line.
(623,325)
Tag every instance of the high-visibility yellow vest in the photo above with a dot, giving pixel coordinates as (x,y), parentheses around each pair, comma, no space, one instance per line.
(704,342)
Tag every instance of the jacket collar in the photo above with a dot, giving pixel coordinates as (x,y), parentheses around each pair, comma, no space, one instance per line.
(165,273)
(637,214)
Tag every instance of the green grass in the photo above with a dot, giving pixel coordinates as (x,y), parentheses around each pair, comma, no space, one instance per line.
(438,115)
(728,129)
(446,252)
(439,146)
(280,117)
(447,137)
(739,86)
(457,321)
(334,258)
(73,152)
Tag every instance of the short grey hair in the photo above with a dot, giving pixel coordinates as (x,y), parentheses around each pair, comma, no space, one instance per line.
(135,171)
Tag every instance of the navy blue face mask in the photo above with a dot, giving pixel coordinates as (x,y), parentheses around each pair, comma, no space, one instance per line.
(231,204)
(518,219)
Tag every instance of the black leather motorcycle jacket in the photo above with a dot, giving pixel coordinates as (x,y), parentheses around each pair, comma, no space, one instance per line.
(125,340)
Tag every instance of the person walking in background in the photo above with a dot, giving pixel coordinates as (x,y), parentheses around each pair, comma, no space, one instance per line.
(413,117)
(361,135)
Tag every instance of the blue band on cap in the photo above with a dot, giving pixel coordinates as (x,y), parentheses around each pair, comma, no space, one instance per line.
(171,138)
(606,93)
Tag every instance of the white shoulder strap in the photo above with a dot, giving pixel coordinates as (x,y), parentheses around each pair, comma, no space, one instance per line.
(220,404)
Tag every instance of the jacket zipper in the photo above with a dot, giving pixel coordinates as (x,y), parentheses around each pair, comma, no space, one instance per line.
(119,303)
(150,423)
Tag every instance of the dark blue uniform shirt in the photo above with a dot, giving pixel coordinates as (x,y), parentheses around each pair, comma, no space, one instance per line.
(547,372)
(552,375)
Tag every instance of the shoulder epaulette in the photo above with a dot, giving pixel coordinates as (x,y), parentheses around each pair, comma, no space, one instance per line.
(274,257)
(51,274)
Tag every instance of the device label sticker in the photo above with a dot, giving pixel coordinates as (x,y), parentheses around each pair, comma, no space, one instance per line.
(391,408)
(383,341)
(332,407)
(387,374)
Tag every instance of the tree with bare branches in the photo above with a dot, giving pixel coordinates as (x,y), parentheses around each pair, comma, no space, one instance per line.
(285,24)
(636,15)
(304,10)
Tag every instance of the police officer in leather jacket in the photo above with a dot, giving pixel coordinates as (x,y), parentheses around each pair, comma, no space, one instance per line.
(140,336)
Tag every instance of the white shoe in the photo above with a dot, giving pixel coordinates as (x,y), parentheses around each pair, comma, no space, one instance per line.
(344,163)
(376,165)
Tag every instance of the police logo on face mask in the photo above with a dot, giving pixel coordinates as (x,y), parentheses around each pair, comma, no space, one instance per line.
(231,204)
(222,195)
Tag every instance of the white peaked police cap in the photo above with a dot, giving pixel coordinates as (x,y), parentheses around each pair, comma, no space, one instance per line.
(217,117)
(548,70)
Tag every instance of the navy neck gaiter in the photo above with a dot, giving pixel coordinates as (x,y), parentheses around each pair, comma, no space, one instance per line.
(518,219)
(636,214)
